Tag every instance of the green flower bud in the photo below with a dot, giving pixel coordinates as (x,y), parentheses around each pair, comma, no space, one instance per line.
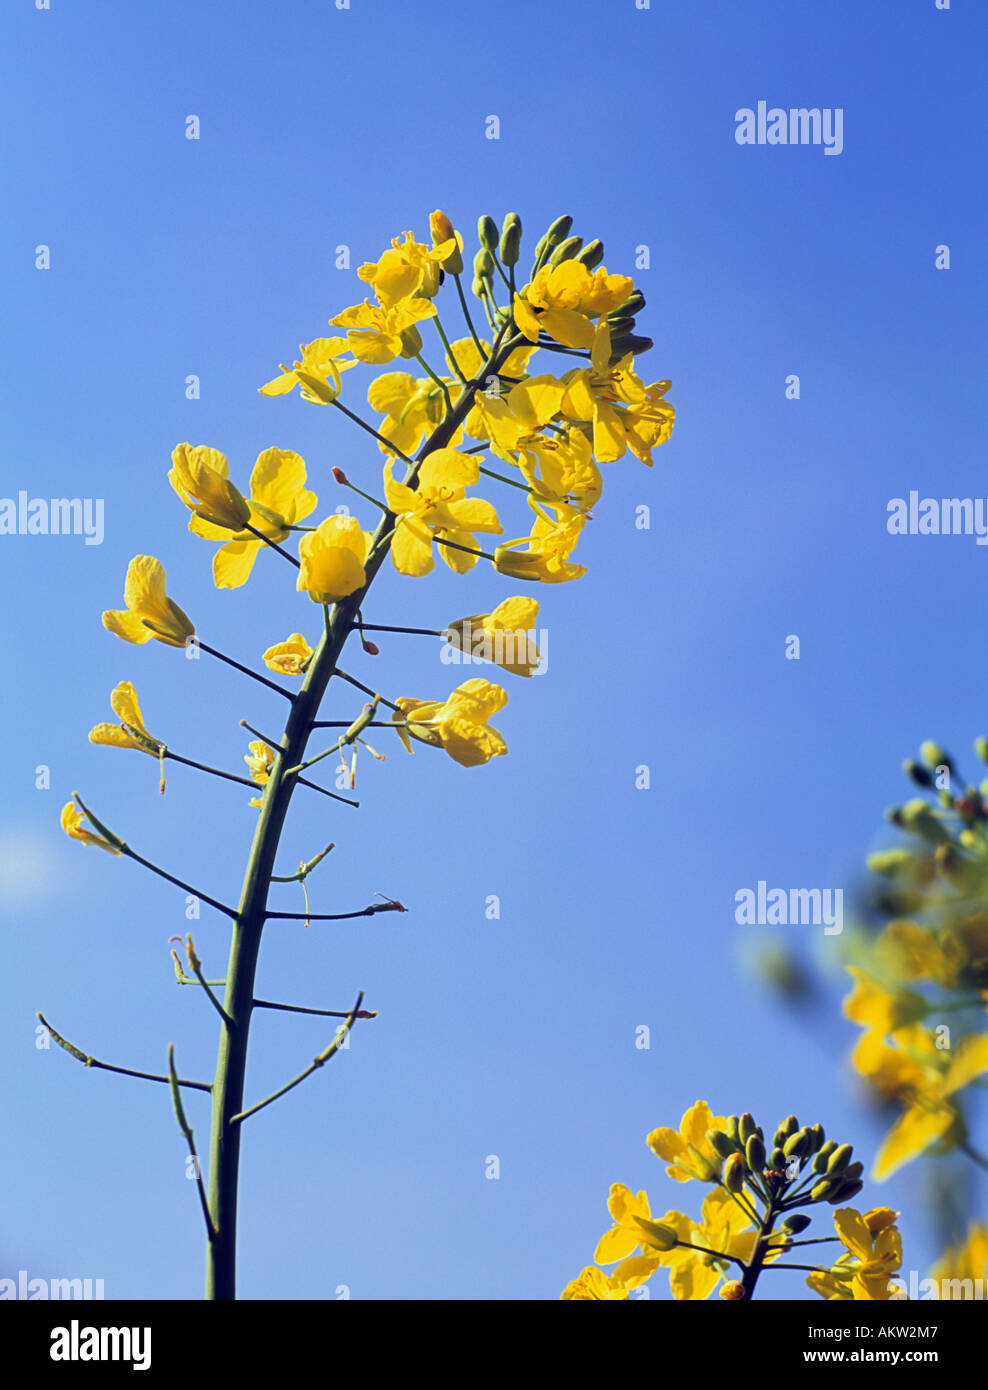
(622,327)
(935,756)
(790,1124)
(733,1175)
(732,1129)
(592,254)
(566,250)
(746,1127)
(823,1156)
(487,233)
(754,1152)
(558,232)
(891,863)
(632,306)
(656,1235)
(797,1145)
(411,342)
(822,1190)
(817,1136)
(633,343)
(852,1172)
(795,1224)
(483,265)
(839,1159)
(845,1192)
(919,819)
(917,772)
(719,1141)
(510,239)
(777,1158)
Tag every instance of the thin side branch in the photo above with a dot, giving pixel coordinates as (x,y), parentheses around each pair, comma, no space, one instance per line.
(107,1066)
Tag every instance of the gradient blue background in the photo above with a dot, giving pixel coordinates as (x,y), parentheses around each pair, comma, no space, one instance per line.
(513,1037)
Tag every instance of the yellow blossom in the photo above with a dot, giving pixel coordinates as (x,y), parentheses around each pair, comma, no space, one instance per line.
(150,613)
(672,1145)
(288,658)
(966,1261)
(437,508)
(723,1228)
(377,335)
(593,1284)
(259,759)
(279,499)
(130,732)
(546,556)
(199,476)
(562,300)
(332,559)
(317,375)
(873,1254)
(624,413)
(500,636)
(930,1114)
(459,724)
(72,824)
(408,268)
(412,408)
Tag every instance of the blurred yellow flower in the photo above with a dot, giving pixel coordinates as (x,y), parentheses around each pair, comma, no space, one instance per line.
(873,1255)
(501,636)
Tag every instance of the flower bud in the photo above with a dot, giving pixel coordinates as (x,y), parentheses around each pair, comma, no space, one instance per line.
(822,1190)
(592,254)
(483,265)
(817,1136)
(340,477)
(566,250)
(845,1192)
(411,341)
(558,232)
(746,1127)
(934,756)
(917,772)
(510,239)
(777,1158)
(733,1291)
(487,233)
(796,1145)
(732,1129)
(981,748)
(733,1175)
(754,1152)
(839,1159)
(656,1235)
(719,1141)
(918,818)
(633,343)
(633,305)
(622,327)
(795,1224)
(823,1156)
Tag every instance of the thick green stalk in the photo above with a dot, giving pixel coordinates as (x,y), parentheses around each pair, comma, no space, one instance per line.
(228,1087)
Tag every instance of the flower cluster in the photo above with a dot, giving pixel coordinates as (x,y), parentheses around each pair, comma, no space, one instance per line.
(753,1187)
(920,985)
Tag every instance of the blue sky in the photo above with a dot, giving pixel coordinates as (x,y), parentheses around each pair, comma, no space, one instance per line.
(514,1037)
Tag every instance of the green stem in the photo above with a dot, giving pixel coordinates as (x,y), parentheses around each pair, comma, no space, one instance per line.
(250,916)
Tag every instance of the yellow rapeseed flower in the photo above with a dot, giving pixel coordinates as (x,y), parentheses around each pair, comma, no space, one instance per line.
(332,559)
(72,824)
(437,507)
(199,476)
(150,613)
(288,658)
(459,724)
